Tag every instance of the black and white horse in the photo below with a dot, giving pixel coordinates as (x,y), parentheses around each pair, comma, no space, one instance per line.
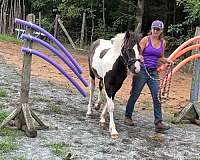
(109,61)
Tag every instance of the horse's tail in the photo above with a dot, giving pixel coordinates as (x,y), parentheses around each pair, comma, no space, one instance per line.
(91,53)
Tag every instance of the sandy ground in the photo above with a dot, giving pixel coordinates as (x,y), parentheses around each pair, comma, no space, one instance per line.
(179,91)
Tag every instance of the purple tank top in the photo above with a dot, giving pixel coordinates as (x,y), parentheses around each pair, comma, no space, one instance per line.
(151,54)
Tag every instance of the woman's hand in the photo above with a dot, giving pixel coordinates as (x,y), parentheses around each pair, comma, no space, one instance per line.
(170,62)
(141,58)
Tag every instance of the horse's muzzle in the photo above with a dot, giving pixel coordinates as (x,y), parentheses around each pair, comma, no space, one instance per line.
(134,67)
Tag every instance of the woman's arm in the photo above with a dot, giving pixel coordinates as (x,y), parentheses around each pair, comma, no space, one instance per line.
(162,59)
(143,44)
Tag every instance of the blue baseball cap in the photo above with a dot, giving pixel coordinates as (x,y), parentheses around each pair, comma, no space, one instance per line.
(157,24)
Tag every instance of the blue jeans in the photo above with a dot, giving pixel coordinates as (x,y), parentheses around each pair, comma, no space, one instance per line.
(139,80)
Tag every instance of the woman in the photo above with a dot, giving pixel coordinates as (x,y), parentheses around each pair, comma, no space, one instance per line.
(152,49)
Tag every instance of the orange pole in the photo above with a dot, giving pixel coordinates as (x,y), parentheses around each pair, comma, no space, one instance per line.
(171,57)
(183,46)
(185,61)
(182,63)
(196,46)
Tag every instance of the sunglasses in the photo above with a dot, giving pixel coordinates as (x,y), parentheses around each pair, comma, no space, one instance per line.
(157,29)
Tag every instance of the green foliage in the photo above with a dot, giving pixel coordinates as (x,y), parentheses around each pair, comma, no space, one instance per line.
(184,17)
(100,32)
(192,8)
(9,39)
(180,32)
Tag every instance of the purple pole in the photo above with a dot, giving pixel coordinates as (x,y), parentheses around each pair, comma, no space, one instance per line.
(48,59)
(56,52)
(39,29)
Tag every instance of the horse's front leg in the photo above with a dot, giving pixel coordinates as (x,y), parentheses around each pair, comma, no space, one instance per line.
(112,129)
(92,87)
(102,117)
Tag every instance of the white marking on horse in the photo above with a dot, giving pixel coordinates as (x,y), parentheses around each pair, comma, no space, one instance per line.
(105,64)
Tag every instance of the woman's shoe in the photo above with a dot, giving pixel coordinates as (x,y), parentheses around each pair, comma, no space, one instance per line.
(161,127)
(128,121)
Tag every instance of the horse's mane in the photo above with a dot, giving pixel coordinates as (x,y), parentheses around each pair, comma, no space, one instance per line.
(118,41)
(127,40)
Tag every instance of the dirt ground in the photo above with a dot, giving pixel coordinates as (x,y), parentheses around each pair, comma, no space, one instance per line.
(179,91)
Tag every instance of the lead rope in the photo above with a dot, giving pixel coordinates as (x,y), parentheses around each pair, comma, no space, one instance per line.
(165,83)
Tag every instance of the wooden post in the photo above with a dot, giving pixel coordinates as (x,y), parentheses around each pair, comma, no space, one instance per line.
(196,76)
(82,31)
(23,115)
(26,70)
(56,25)
(66,33)
(40,17)
(192,110)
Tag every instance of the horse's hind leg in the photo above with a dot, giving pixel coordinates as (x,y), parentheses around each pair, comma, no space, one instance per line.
(92,87)
(99,100)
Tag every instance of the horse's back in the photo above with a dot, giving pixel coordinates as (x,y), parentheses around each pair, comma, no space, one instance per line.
(95,57)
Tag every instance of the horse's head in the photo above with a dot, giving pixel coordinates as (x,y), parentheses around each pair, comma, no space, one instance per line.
(130,51)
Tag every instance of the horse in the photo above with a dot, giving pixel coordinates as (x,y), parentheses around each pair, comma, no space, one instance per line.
(109,61)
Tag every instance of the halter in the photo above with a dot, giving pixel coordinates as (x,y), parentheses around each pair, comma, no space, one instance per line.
(130,61)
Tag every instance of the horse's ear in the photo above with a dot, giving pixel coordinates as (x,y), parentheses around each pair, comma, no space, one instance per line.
(138,28)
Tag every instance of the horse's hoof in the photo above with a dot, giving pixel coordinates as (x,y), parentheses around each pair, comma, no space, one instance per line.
(115,136)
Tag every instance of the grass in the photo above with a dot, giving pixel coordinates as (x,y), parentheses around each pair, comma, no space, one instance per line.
(3,93)
(41,99)
(146,104)
(54,108)
(20,158)
(155,138)
(3,115)
(10,39)
(195,158)
(171,119)
(7,145)
(8,136)
(11,132)
(58,148)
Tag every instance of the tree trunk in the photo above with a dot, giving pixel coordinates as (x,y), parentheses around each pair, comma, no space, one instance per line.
(91,11)
(139,15)
(10,18)
(1,17)
(82,31)
(104,21)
